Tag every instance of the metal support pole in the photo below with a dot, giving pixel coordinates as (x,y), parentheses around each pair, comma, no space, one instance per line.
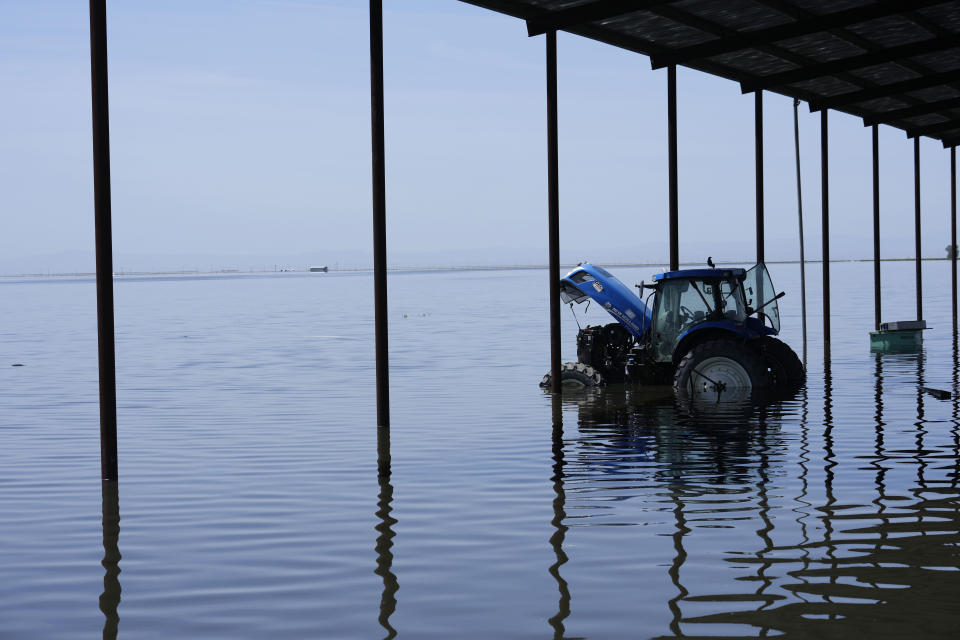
(672,153)
(379,230)
(104,239)
(803,259)
(953,232)
(553,210)
(916,224)
(758,124)
(825,228)
(876,228)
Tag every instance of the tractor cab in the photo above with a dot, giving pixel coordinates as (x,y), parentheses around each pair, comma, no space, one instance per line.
(695,299)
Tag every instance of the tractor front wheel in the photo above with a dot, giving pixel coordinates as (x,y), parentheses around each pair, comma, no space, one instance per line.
(720,369)
(575,375)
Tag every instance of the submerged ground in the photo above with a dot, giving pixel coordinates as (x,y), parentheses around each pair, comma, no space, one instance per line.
(249,502)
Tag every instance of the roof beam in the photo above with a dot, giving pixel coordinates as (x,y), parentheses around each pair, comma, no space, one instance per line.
(759,37)
(893,54)
(931,129)
(583,13)
(910,112)
(890,90)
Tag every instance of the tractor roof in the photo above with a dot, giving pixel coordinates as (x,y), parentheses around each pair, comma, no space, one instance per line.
(699,273)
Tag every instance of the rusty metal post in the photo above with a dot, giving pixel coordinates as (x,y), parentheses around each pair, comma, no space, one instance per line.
(379,231)
(103,239)
(553,210)
(916,225)
(825,223)
(672,161)
(758,130)
(953,232)
(876,228)
(803,259)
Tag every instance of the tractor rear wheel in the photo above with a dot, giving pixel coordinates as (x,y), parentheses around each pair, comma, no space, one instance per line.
(717,367)
(784,365)
(575,375)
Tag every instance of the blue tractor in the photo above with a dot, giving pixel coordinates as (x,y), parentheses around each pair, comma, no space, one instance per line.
(706,331)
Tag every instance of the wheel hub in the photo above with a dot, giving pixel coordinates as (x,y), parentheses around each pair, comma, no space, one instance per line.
(717,375)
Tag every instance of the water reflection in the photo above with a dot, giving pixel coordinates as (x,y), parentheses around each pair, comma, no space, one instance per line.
(830,462)
(110,598)
(853,557)
(955,413)
(559,528)
(385,535)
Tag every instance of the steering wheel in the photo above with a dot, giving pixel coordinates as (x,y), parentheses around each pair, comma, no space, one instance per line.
(686,314)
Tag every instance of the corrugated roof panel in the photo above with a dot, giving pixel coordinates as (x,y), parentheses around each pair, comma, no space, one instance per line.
(891,31)
(820,7)
(821,47)
(754,61)
(742,15)
(945,15)
(748,40)
(887,73)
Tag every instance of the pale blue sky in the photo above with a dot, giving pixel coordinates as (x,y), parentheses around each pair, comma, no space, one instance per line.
(240,137)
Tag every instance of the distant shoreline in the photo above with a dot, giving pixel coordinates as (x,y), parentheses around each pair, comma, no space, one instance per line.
(516,267)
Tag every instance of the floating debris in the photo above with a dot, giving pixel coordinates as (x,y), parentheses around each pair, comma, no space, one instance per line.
(939,394)
(17,364)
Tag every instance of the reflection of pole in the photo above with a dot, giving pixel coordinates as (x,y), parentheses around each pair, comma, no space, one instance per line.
(830,462)
(879,453)
(763,502)
(804,459)
(803,278)
(384,546)
(955,413)
(559,528)
(921,431)
(110,598)
(678,560)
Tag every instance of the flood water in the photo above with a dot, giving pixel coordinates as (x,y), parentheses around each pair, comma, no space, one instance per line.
(249,504)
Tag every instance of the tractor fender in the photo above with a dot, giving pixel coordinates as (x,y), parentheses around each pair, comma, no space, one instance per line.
(707,331)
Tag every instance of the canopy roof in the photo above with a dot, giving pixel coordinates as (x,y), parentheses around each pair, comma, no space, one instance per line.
(888,62)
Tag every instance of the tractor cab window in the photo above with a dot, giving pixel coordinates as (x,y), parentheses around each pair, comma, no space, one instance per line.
(732,302)
(761,296)
(681,304)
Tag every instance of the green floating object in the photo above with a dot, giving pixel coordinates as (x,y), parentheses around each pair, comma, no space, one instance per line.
(902,336)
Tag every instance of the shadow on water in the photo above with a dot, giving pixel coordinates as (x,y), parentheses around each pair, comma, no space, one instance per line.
(110,598)
(886,566)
